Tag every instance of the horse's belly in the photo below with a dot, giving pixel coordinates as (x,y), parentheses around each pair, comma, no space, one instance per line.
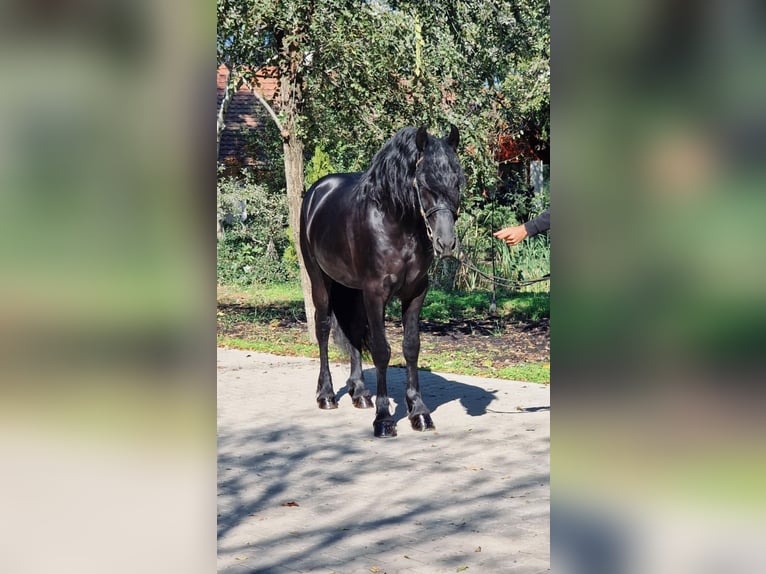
(337,265)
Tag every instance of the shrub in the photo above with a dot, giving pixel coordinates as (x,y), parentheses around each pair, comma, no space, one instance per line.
(253,250)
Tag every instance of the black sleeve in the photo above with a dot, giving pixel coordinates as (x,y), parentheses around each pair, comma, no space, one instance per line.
(539,224)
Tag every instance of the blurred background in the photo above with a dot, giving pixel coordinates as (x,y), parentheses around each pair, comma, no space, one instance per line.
(659,297)
(107,327)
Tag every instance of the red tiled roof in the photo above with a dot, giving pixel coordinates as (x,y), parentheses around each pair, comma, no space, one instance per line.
(513,150)
(245,121)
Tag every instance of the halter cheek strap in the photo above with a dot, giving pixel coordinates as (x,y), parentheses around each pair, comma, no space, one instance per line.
(423,212)
(425,215)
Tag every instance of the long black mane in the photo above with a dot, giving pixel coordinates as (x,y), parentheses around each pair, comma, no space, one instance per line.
(389,179)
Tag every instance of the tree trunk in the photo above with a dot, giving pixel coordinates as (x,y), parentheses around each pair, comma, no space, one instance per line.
(293,149)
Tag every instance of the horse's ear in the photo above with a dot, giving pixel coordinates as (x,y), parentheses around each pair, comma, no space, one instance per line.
(421,138)
(453,139)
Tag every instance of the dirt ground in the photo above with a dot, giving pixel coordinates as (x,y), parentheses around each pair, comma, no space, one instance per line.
(497,341)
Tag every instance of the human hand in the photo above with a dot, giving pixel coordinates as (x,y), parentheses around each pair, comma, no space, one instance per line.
(512,235)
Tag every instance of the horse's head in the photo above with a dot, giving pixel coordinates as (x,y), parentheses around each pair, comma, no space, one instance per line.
(438,178)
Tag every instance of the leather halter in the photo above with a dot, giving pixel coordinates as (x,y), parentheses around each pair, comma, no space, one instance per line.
(430,212)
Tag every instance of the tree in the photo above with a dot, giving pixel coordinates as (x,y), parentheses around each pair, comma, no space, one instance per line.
(356,71)
(314,49)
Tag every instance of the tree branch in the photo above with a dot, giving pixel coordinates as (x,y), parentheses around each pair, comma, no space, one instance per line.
(268,107)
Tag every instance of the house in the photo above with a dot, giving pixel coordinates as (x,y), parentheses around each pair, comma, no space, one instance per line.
(522,159)
(246,123)
(246,127)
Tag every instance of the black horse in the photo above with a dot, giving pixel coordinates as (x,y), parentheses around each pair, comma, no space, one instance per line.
(366,237)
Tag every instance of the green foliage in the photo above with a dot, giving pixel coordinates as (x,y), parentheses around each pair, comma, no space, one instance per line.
(357,72)
(379,65)
(479,219)
(525,306)
(318,166)
(253,251)
(290,255)
(442,306)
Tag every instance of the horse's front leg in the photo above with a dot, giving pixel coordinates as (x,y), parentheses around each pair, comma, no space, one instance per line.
(417,411)
(384,424)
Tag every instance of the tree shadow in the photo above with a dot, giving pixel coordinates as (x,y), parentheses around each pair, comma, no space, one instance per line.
(435,389)
(260,470)
(295,494)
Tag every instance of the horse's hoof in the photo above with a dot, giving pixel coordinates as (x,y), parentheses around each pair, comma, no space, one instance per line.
(422,423)
(363,402)
(327,403)
(384,429)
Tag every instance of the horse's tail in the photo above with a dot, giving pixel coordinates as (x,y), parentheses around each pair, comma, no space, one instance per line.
(350,327)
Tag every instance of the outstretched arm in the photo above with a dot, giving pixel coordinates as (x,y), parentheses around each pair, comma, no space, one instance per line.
(516,234)
(512,235)
(538,224)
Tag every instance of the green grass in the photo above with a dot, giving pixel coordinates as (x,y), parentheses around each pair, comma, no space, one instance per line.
(472,364)
(277,293)
(271,300)
(258,315)
(276,346)
(462,306)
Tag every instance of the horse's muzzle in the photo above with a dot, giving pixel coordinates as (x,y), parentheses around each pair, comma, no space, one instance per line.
(444,247)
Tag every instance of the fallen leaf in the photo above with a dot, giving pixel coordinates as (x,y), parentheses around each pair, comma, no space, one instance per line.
(291,503)
(461,568)
(376,570)
(478,549)
(240,558)
(473,468)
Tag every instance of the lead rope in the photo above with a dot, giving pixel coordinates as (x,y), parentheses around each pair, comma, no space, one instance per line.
(464,259)
(493,304)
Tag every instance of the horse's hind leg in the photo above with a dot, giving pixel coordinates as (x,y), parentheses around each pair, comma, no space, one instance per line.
(417,411)
(320,295)
(348,306)
(361,396)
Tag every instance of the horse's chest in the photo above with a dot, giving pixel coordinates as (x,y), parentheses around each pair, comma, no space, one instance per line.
(407,267)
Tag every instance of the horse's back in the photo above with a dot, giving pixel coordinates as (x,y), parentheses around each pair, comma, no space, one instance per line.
(327,201)
(334,183)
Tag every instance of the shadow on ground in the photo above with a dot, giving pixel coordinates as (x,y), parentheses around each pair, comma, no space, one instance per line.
(317,493)
(435,389)
(349,502)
